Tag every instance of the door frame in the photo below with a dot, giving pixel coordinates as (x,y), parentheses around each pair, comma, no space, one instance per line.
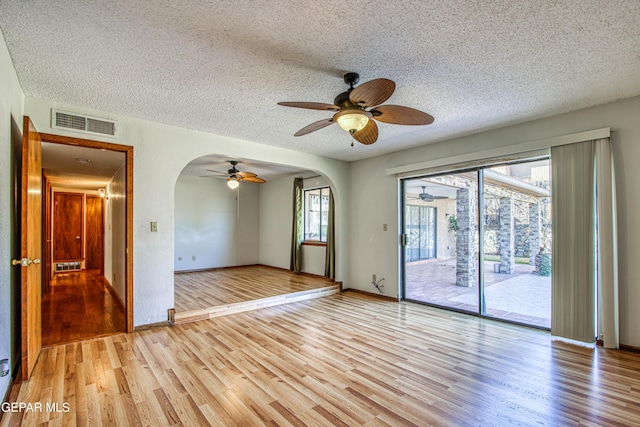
(128,151)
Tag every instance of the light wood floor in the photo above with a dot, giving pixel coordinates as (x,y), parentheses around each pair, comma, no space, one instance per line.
(79,306)
(239,284)
(347,359)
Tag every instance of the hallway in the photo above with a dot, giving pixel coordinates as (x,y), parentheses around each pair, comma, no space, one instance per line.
(77,307)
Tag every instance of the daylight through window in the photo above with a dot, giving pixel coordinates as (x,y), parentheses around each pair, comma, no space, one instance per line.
(316,208)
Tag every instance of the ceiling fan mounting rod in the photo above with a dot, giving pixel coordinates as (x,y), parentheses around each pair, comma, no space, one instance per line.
(351,79)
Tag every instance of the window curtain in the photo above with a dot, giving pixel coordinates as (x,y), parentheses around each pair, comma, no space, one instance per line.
(584,242)
(607,245)
(296,229)
(574,241)
(330,257)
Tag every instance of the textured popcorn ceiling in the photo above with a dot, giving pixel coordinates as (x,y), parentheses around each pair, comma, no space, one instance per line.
(221,66)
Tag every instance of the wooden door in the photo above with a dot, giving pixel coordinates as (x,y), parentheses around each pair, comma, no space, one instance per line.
(68,218)
(31,214)
(95,233)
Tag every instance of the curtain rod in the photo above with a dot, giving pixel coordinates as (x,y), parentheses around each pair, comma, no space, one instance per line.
(505,150)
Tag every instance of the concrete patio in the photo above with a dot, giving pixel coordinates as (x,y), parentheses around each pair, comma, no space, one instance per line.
(521,297)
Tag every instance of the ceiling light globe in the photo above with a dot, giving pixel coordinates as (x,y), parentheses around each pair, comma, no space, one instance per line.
(352,120)
(232,183)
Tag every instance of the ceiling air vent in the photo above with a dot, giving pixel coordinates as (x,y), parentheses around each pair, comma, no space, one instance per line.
(81,123)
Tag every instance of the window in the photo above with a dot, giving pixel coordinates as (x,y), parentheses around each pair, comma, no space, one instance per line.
(316,208)
(420,225)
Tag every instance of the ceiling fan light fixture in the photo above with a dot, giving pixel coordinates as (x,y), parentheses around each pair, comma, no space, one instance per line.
(233,182)
(352,120)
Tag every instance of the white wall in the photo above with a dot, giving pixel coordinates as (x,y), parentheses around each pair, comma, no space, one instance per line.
(116,234)
(276,213)
(160,153)
(313,259)
(374,198)
(11,111)
(374,202)
(209,226)
(446,245)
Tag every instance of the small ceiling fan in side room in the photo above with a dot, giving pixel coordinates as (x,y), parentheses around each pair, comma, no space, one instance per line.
(355,108)
(234,176)
(426,197)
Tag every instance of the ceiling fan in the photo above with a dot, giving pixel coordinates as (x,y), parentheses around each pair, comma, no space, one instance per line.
(355,108)
(426,197)
(234,176)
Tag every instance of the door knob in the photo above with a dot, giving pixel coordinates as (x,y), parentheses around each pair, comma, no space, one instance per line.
(36,261)
(77,237)
(23,262)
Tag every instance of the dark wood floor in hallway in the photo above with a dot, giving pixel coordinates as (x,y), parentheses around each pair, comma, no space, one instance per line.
(79,306)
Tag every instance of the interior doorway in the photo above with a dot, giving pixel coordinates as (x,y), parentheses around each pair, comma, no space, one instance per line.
(87,236)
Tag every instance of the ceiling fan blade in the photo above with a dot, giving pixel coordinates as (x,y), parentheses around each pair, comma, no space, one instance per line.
(247,174)
(314,127)
(368,134)
(218,172)
(372,93)
(398,115)
(439,197)
(254,179)
(311,105)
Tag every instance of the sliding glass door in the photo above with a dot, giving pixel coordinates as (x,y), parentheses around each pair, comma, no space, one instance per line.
(441,267)
(507,273)
(517,243)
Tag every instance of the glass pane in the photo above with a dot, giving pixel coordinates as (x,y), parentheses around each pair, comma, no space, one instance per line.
(312,214)
(517,243)
(324,217)
(441,253)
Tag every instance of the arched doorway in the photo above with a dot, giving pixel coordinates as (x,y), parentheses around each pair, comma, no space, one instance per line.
(232,246)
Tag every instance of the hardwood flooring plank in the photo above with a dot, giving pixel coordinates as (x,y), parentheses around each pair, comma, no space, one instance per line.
(226,286)
(167,408)
(347,359)
(79,306)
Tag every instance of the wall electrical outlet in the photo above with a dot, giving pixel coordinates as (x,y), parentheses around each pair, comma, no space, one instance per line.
(193,257)
(374,277)
(154,226)
(384,227)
